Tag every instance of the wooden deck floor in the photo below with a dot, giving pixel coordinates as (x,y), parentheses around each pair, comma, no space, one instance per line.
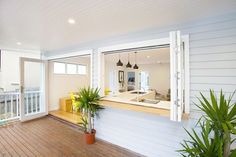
(51,138)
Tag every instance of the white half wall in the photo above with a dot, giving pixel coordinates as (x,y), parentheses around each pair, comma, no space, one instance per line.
(147,134)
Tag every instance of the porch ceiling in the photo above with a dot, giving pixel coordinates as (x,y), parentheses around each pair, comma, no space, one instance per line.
(42,24)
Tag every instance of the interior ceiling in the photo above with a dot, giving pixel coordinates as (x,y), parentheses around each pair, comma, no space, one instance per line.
(42,24)
(152,56)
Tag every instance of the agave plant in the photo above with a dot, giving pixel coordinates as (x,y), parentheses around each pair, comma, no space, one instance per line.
(219,119)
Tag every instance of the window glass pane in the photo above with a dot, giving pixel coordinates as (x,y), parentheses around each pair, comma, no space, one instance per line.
(82,69)
(59,68)
(71,69)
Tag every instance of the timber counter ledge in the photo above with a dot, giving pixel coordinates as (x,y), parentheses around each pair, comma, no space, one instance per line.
(134,107)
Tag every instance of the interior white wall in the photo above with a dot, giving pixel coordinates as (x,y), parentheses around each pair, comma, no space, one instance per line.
(60,85)
(159,76)
(111,77)
(10,71)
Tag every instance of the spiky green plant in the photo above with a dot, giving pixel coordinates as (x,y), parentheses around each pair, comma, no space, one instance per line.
(84,123)
(88,99)
(221,118)
(203,145)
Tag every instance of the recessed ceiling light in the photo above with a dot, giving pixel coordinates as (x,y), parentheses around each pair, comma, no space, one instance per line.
(18,43)
(148,56)
(71,21)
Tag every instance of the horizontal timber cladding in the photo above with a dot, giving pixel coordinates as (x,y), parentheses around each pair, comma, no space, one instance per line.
(212,66)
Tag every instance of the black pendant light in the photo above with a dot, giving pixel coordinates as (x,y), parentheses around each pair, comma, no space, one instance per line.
(128,65)
(119,63)
(135,65)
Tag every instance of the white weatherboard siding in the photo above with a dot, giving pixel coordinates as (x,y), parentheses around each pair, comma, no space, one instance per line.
(212,66)
(147,134)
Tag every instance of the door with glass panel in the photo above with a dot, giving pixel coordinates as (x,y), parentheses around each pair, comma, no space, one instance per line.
(33,80)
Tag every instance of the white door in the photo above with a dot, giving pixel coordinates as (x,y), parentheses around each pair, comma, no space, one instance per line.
(177,75)
(33,80)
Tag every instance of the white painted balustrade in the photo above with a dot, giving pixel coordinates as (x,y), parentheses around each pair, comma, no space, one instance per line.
(10,104)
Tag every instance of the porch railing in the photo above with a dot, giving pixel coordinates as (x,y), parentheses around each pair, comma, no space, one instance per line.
(32,102)
(10,105)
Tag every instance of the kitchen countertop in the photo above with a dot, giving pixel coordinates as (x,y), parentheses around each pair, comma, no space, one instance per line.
(129,98)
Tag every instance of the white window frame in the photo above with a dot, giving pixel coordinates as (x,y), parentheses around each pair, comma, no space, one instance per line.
(147,43)
(75,54)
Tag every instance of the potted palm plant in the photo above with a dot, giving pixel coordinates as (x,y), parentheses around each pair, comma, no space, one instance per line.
(87,101)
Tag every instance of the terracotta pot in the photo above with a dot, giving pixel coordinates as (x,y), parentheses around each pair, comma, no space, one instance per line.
(90,137)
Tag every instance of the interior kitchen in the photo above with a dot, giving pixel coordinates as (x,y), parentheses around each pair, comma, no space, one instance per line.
(138,80)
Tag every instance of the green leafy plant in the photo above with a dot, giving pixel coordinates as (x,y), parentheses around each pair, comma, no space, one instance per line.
(75,102)
(217,124)
(84,123)
(203,145)
(88,102)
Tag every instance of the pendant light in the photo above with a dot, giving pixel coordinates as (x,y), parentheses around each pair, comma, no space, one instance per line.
(135,65)
(128,65)
(119,63)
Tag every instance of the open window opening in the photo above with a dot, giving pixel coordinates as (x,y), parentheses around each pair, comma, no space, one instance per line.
(143,79)
(149,76)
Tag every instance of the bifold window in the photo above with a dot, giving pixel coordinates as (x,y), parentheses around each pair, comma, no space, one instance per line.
(59,68)
(71,68)
(81,69)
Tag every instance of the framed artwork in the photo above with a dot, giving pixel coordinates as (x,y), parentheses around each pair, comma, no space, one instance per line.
(121,76)
(131,78)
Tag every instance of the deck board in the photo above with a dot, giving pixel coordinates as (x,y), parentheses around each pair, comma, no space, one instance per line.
(50,137)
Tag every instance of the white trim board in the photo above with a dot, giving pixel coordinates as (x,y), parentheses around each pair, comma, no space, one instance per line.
(22,50)
(185,39)
(67,55)
(145,43)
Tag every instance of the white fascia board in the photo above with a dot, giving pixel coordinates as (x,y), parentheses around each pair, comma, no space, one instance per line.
(145,43)
(71,54)
(21,50)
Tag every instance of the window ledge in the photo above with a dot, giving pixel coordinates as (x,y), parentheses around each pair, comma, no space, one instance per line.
(137,108)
